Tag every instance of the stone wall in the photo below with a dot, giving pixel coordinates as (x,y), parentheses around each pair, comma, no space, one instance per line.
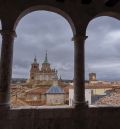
(55,99)
(89,118)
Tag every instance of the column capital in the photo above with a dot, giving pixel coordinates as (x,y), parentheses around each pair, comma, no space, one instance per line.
(8,32)
(79,37)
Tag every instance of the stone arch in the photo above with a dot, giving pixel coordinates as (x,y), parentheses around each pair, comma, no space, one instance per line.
(0,25)
(93,43)
(48,23)
(35,25)
(109,14)
(46,8)
(115,15)
(0,40)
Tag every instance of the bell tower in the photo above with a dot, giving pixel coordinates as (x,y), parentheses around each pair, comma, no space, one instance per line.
(92,76)
(34,69)
(46,65)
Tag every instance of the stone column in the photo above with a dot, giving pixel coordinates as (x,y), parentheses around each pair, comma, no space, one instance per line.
(6,67)
(79,71)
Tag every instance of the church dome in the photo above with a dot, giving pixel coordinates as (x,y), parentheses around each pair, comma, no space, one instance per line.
(55,89)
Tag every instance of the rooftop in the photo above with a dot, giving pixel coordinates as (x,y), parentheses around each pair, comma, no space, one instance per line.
(55,89)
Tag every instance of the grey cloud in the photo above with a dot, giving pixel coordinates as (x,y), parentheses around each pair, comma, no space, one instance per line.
(41,31)
(102,48)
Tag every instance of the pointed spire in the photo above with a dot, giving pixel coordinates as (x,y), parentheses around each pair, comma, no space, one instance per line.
(35,59)
(60,78)
(46,59)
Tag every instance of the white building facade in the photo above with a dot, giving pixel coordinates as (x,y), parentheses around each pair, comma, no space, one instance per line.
(88,94)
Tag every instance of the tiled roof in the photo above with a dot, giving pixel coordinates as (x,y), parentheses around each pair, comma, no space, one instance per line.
(112,99)
(39,90)
(55,89)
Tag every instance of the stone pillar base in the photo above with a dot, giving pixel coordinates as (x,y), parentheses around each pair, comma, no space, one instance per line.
(81,105)
(4,100)
(4,106)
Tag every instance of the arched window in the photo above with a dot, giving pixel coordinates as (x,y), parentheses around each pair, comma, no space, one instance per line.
(102,61)
(43,41)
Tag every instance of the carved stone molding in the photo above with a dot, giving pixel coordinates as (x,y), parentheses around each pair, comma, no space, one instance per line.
(8,32)
(78,38)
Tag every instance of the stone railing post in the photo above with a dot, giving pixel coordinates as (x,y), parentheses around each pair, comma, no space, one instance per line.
(6,67)
(79,71)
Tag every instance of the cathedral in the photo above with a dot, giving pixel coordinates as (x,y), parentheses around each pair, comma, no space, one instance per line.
(43,75)
(45,87)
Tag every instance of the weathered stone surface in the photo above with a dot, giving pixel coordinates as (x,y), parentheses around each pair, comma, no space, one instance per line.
(89,118)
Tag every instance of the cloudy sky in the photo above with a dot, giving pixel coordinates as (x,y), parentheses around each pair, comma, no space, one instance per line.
(41,30)
(38,32)
(103,48)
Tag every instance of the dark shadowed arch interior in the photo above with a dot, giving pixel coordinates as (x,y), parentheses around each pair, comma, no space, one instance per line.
(0,37)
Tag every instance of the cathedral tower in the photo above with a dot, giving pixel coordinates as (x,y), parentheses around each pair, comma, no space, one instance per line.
(46,65)
(34,69)
(46,72)
(44,75)
(92,76)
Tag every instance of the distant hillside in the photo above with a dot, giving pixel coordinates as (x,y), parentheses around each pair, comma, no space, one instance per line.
(18,80)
